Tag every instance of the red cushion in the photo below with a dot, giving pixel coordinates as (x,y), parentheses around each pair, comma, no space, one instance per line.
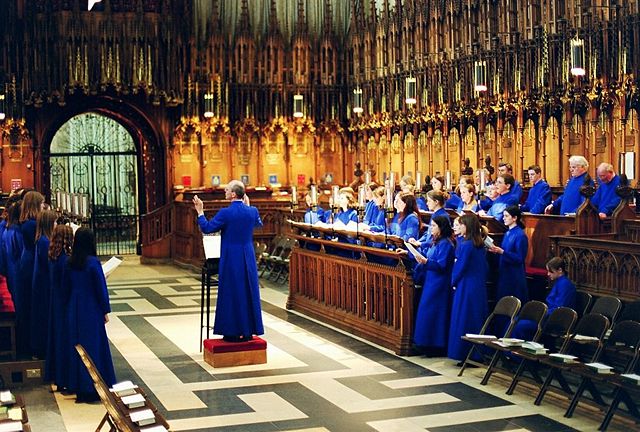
(221,346)
(536,271)
(6,303)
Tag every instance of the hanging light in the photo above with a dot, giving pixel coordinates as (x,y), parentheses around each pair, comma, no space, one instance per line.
(297,106)
(410,91)
(208,105)
(480,76)
(577,57)
(357,101)
(3,115)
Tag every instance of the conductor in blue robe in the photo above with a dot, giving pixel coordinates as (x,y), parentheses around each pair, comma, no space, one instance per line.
(57,354)
(571,199)
(87,316)
(605,198)
(433,315)
(238,313)
(539,195)
(513,253)
(468,280)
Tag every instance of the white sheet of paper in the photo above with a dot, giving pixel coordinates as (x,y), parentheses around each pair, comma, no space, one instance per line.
(413,250)
(110,266)
(211,246)
(74,227)
(488,242)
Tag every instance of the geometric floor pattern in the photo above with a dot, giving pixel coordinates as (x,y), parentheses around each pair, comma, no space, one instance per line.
(316,378)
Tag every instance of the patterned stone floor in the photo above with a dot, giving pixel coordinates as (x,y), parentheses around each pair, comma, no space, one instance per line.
(316,378)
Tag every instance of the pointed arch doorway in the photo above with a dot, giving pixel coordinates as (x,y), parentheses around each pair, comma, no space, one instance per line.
(95,155)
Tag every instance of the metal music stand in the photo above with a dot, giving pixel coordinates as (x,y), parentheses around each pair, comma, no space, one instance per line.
(208,278)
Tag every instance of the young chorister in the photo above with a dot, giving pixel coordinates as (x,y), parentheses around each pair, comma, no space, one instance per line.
(57,355)
(40,284)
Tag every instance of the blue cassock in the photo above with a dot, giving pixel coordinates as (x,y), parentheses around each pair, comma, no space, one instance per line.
(485,203)
(426,238)
(469,308)
(40,297)
(312,217)
(422,203)
(57,340)
(3,259)
(460,208)
(563,294)
(605,199)
(408,228)
(516,190)
(539,197)
(13,245)
(501,203)
(571,199)
(375,218)
(453,202)
(238,310)
(23,288)
(432,317)
(87,306)
(511,275)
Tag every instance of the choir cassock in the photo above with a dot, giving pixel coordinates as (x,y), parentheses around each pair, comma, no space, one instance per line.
(24,286)
(312,217)
(408,228)
(501,203)
(88,304)
(453,202)
(3,259)
(469,307)
(538,199)
(56,369)
(40,298)
(13,245)
(516,190)
(605,198)
(422,203)
(432,317)
(426,238)
(374,217)
(511,273)
(571,199)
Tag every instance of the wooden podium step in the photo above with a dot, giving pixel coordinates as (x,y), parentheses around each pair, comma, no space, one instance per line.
(219,353)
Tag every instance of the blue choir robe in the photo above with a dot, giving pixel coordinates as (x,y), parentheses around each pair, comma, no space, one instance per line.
(460,208)
(606,199)
(238,311)
(563,294)
(57,337)
(485,203)
(453,202)
(3,259)
(368,210)
(40,298)
(13,245)
(571,199)
(501,203)
(375,219)
(516,190)
(426,238)
(469,308)
(432,316)
(422,203)
(511,274)
(23,288)
(538,199)
(88,304)
(312,217)
(408,228)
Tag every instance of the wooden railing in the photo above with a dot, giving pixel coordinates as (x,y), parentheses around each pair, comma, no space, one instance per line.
(157,231)
(370,300)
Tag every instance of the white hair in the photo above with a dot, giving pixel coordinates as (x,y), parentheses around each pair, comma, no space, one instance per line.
(579,160)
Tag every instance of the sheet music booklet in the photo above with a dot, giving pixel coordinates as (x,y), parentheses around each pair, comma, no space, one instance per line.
(212,244)
(413,250)
(110,266)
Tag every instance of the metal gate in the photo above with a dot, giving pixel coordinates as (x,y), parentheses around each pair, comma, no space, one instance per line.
(95,155)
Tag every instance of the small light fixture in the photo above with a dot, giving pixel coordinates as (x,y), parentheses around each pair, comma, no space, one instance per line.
(208,105)
(297,106)
(480,76)
(410,91)
(357,101)
(577,57)
(2,104)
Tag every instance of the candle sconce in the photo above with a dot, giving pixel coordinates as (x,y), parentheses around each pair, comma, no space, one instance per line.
(293,204)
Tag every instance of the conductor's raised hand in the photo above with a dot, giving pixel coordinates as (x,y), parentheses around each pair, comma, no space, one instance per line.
(199,206)
(245,199)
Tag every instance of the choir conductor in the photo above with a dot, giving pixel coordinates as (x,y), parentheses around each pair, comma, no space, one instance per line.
(238,315)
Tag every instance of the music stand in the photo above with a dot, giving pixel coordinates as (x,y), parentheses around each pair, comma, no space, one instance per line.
(210,267)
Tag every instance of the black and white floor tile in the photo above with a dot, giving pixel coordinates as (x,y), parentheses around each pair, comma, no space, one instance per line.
(316,378)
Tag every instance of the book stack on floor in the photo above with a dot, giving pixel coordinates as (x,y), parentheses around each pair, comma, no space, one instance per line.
(133,402)
(219,353)
(13,416)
